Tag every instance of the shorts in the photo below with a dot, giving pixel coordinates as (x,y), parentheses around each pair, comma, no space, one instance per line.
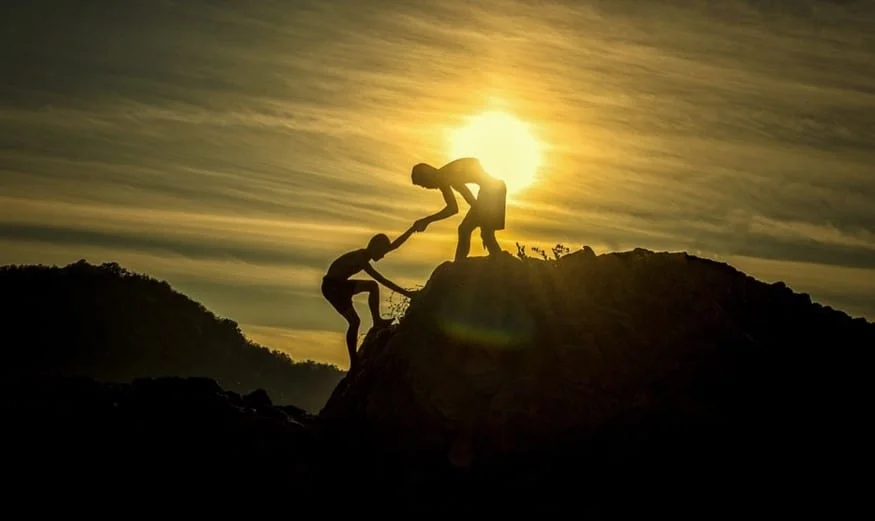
(338,292)
(491,206)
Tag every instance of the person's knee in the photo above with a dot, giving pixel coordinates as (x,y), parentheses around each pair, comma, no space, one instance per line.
(371,286)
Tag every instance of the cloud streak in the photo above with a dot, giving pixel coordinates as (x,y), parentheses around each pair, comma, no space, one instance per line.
(236,149)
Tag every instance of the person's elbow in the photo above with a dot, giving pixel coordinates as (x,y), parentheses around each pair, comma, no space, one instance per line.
(452,210)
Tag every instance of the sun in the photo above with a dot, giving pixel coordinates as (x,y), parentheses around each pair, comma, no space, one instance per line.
(503,144)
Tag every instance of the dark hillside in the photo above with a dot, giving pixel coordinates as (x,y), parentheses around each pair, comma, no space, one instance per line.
(110,324)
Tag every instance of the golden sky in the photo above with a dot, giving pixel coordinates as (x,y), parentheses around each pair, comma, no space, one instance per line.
(234,149)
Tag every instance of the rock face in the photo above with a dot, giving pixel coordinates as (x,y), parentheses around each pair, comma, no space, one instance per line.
(651,358)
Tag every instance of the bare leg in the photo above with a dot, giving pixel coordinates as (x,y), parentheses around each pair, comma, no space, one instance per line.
(373,290)
(466,228)
(352,333)
(490,242)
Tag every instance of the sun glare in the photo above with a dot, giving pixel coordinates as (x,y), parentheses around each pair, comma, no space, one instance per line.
(503,144)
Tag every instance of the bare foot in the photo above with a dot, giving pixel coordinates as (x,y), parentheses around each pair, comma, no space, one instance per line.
(380,323)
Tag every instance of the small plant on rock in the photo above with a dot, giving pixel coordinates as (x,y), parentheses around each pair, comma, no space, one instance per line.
(398,304)
(558,252)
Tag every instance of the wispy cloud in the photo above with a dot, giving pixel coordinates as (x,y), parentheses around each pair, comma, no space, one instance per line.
(236,149)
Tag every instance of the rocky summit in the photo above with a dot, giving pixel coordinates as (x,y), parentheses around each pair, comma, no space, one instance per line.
(600,385)
(626,371)
(496,358)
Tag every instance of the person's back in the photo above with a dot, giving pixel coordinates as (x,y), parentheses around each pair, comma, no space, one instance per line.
(348,264)
(466,170)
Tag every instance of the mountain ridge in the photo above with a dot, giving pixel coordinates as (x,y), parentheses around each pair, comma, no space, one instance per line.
(106,322)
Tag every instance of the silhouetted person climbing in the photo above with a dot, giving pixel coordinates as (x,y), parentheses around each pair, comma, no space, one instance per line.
(487,210)
(338,289)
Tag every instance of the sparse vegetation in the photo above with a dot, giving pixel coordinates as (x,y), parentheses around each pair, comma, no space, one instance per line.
(558,251)
(398,304)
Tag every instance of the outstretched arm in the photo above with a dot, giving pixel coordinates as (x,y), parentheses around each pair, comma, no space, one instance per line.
(451,208)
(384,281)
(402,238)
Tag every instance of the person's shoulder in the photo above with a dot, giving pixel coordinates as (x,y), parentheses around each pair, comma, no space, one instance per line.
(462,163)
(465,168)
(352,256)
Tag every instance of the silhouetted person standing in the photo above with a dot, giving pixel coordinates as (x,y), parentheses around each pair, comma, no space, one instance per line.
(338,288)
(487,209)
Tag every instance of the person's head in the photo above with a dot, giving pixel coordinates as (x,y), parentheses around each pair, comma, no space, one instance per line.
(378,246)
(424,175)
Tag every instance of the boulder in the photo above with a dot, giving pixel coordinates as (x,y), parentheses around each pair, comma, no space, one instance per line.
(619,357)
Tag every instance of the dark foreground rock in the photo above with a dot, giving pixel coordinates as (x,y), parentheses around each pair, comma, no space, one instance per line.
(617,375)
(150,435)
(603,387)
